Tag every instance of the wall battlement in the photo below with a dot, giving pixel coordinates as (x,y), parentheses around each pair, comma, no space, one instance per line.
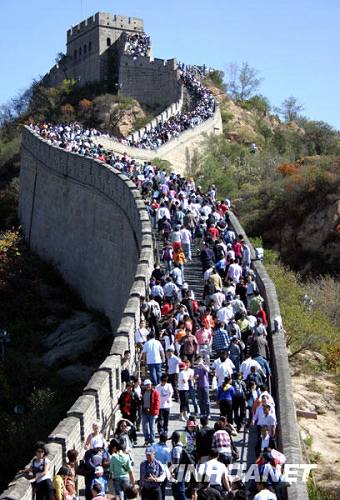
(106,20)
(148,62)
(95,52)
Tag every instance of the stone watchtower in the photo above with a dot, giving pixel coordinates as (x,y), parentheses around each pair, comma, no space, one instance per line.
(96,53)
(93,48)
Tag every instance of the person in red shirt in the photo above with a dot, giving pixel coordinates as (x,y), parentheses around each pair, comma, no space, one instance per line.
(167,309)
(237,247)
(262,315)
(213,231)
(151,402)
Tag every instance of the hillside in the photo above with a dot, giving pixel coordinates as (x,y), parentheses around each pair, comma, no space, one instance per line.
(54,341)
(288,192)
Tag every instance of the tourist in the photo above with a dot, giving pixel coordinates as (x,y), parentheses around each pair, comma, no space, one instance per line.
(152,475)
(120,468)
(165,391)
(153,355)
(201,373)
(150,411)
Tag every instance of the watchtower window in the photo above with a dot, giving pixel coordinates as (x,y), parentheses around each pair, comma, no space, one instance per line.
(108,42)
(75,54)
(79,51)
(90,46)
(85,49)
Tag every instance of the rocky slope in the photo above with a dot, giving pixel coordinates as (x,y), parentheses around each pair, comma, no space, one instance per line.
(317,394)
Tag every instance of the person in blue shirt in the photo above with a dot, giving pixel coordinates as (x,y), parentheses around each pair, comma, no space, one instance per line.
(225,396)
(99,479)
(163,455)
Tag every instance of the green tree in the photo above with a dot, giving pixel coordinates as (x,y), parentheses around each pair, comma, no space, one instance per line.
(320,138)
(217,78)
(242,81)
(290,109)
(258,103)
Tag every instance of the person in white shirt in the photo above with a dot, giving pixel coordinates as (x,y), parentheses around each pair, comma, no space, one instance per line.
(223,367)
(177,275)
(165,391)
(234,271)
(141,335)
(225,313)
(245,367)
(264,417)
(162,211)
(264,493)
(208,273)
(217,299)
(173,370)
(214,472)
(153,355)
(186,242)
(183,388)
(95,439)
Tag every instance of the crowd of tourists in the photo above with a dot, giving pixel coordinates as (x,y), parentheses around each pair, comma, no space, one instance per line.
(137,45)
(202,109)
(205,352)
(73,137)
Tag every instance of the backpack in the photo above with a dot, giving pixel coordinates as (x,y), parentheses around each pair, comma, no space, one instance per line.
(210,288)
(167,254)
(154,311)
(199,232)
(239,391)
(185,458)
(219,252)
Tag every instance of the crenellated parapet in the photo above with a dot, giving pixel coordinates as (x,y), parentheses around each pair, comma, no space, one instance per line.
(90,221)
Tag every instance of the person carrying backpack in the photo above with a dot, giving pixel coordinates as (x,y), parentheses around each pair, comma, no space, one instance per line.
(180,459)
(168,256)
(239,400)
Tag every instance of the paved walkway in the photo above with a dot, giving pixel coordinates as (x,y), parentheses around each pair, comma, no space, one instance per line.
(245,442)
(193,276)
(240,441)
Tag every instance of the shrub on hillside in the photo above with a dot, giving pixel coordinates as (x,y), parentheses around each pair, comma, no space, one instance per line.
(320,138)
(226,117)
(308,326)
(287,169)
(257,103)
(217,78)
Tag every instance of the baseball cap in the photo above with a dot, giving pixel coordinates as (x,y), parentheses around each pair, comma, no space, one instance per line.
(182,365)
(147,382)
(99,470)
(149,450)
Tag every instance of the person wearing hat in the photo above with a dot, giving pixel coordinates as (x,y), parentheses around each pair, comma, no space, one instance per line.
(163,455)
(99,479)
(150,410)
(152,474)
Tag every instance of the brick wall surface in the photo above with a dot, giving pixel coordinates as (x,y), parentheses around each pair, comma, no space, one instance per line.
(84,216)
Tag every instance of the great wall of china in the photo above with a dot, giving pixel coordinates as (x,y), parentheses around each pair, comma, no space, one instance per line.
(74,211)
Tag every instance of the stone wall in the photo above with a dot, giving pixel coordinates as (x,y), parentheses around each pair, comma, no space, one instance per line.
(175,151)
(151,82)
(63,193)
(171,110)
(288,433)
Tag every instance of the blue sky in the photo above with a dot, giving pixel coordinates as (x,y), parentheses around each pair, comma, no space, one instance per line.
(294,44)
